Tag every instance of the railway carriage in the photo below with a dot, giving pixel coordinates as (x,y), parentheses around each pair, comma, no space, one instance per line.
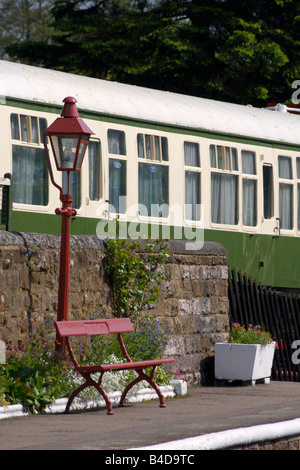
(161,164)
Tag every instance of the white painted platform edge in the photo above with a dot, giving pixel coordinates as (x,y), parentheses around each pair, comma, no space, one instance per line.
(177,387)
(232,437)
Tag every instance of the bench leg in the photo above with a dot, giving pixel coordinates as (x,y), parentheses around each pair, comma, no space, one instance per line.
(154,385)
(127,388)
(74,394)
(150,380)
(91,383)
(106,398)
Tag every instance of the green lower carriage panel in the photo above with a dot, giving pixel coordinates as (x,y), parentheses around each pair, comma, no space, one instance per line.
(273,261)
(50,223)
(35,223)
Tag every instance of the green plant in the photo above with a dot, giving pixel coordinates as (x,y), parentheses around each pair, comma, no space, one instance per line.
(35,375)
(25,385)
(251,335)
(135,274)
(3,401)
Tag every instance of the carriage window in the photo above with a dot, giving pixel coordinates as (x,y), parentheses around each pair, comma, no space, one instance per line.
(192,181)
(152,147)
(223,158)
(224,185)
(153,190)
(30,175)
(117,171)
(94,170)
(28,129)
(285,167)
(29,166)
(14,125)
(249,188)
(285,192)
(191,154)
(117,186)
(268,191)
(116,142)
(42,127)
(153,175)
(34,130)
(25,131)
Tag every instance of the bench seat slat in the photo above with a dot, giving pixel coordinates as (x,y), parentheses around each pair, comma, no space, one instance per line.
(124,365)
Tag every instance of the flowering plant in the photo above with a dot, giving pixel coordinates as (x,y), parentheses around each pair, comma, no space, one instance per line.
(251,335)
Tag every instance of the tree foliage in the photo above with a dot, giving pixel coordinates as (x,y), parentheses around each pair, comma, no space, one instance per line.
(23,21)
(235,50)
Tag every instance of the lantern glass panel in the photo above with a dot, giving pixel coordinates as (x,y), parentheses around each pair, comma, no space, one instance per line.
(82,149)
(64,148)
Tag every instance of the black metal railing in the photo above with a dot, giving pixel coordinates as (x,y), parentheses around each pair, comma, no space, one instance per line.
(278,312)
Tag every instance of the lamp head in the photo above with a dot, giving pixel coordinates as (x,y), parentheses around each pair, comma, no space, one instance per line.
(69,137)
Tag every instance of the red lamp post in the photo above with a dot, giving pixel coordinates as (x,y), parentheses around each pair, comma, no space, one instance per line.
(69,137)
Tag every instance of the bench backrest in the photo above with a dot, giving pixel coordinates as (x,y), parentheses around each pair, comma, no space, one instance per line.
(94,327)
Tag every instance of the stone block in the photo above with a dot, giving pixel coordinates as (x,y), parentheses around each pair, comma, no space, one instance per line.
(194,306)
(176,346)
(192,344)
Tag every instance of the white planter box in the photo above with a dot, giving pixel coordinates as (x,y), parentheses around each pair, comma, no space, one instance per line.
(246,362)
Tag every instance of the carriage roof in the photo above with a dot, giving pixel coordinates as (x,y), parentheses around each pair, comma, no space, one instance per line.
(46,86)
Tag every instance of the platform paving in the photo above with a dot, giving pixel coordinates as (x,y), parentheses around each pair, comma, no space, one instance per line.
(202,411)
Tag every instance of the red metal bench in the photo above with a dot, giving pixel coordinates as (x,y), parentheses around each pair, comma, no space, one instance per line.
(67,329)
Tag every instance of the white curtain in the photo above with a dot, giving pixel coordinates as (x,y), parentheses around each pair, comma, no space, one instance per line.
(117,172)
(116,142)
(249,202)
(249,189)
(224,192)
(192,181)
(14,126)
(192,195)
(94,170)
(286,206)
(154,190)
(285,193)
(191,154)
(117,186)
(30,175)
(285,167)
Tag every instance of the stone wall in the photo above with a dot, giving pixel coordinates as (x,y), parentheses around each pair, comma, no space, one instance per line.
(192,305)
